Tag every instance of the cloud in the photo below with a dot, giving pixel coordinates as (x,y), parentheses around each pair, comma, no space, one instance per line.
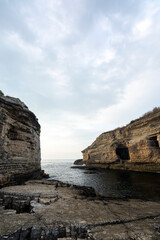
(83,67)
(106,57)
(136,99)
(142,28)
(60,78)
(14,41)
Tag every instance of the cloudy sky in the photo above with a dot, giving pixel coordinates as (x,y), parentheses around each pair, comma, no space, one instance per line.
(82,66)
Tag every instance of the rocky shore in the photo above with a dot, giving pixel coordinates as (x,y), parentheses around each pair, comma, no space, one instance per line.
(55,210)
(135,146)
(45,209)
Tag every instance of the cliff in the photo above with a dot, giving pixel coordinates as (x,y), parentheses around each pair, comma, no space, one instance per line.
(133,147)
(19,141)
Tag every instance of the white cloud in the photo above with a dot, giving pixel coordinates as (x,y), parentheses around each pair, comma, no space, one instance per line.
(16,42)
(135,100)
(58,77)
(49,21)
(142,28)
(95,64)
(106,57)
(97,87)
(105,24)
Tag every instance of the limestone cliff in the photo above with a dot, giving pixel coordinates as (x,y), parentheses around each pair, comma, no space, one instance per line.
(133,147)
(19,141)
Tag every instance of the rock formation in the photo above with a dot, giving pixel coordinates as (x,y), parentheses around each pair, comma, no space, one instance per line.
(133,147)
(78,162)
(54,210)
(19,141)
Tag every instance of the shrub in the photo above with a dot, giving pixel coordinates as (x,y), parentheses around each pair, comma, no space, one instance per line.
(155,110)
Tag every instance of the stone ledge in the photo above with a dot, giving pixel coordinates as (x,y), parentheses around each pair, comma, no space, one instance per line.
(73,215)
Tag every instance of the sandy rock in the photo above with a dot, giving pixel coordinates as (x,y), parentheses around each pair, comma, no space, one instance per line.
(133,147)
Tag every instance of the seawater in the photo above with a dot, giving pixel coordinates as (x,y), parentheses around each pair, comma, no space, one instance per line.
(109,183)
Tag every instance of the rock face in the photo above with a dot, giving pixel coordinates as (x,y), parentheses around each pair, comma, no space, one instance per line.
(19,141)
(78,162)
(53,210)
(133,147)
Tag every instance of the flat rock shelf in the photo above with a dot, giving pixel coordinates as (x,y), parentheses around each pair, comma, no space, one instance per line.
(55,210)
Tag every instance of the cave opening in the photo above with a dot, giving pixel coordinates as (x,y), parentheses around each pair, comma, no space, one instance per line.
(122,152)
(12,133)
(154,142)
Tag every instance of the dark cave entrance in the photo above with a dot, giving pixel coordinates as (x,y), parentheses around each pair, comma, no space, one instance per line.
(154,142)
(122,152)
(12,133)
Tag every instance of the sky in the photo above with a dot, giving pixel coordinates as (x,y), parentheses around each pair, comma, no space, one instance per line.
(82,66)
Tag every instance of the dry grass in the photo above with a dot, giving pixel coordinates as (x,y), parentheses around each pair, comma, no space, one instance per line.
(147,114)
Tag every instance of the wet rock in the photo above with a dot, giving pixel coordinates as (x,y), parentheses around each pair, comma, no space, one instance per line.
(35,233)
(78,162)
(25,234)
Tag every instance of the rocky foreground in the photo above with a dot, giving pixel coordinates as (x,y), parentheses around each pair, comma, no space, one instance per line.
(54,210)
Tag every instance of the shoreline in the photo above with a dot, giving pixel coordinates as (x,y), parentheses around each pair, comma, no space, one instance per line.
(112,183)
(114,167)
(91,193)
(50,209)
(92,167)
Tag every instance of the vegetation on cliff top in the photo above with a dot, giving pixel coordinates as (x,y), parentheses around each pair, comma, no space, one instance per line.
(154,110)
(148,114)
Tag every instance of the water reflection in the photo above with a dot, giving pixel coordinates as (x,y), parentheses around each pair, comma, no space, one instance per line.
(110,183)
(129,184)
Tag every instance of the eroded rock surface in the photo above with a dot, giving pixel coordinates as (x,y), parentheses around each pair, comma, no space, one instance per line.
(78,162)
(19,141)
(133,147)
(59,211)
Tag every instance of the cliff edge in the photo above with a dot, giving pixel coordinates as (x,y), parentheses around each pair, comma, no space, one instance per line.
(133,147)
(19,142)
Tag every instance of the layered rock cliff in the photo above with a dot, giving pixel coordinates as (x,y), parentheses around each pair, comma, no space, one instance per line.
(19,141)
(133,147)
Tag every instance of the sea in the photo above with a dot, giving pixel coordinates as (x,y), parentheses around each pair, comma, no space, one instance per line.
(109,183)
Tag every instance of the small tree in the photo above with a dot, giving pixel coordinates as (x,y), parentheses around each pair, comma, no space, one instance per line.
(1,93)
